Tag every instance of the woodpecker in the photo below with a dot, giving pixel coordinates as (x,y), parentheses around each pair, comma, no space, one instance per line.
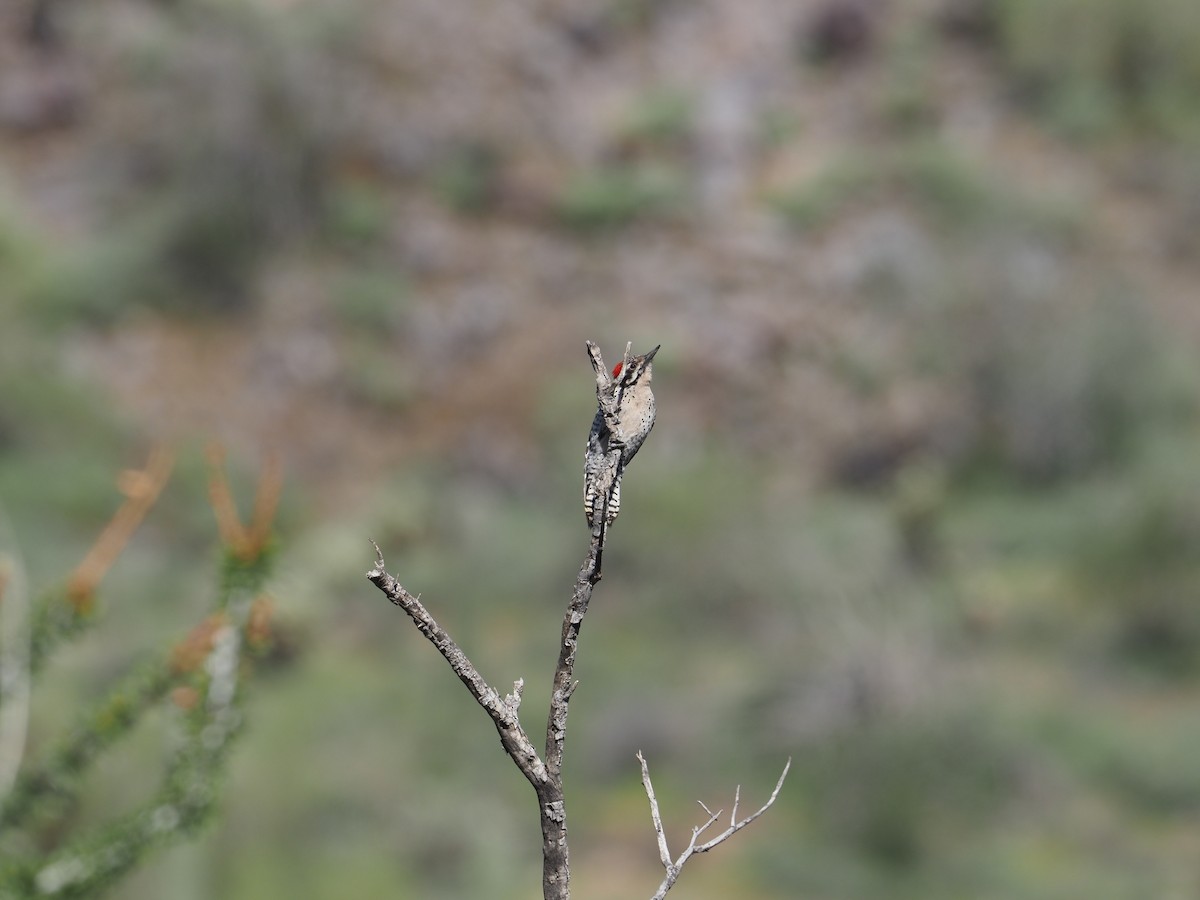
(615,440)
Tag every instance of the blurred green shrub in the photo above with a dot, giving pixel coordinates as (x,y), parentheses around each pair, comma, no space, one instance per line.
(952,190)
(615,196)
(467,177)
(1139,562)
(1094,66)
(372,298)
(660,119)
(908,101)
(817,201)
(1150,768)
(46,846)
(220,150)
(1058,385)
(897,788)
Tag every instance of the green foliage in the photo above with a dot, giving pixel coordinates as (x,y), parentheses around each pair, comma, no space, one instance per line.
(56,619)
(816,202)
(908,102)
(1140,564)
(372,303)
(634,15)
(372,299)
(98,280)
(1057,387)
(58,776)
(1095,66)
(224,157)
(1147,768)
(609,198)
(777,127)
(84,859)
(467,177)
(661,119)
(896,789)
(950,189)
(357,214)
(41,411)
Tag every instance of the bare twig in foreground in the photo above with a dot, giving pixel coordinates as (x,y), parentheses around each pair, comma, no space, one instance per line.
(735,825)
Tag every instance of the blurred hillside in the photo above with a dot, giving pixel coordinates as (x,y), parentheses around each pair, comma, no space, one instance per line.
(921,508)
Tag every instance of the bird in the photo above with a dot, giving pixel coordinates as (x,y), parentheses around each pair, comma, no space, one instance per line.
(614,441)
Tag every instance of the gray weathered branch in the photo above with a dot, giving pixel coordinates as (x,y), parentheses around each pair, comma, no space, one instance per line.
(503,712)
(674,867)
(546,777)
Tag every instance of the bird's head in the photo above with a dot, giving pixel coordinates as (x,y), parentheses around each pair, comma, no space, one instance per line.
(639,368)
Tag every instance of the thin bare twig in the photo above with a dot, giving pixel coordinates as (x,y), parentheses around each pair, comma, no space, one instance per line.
(512,736)
(563,685)
(674,867)
(503,712)
(736,825)
(664,852)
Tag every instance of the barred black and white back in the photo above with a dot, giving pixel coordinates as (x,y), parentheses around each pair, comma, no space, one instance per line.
(610,450)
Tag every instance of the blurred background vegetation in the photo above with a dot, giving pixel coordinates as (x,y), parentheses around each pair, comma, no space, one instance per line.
(921,508)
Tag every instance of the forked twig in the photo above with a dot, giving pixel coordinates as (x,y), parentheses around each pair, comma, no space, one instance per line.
(247,543)
(674,867)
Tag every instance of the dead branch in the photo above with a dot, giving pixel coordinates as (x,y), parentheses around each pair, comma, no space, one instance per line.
(502,711)
(674,867)
(546,775)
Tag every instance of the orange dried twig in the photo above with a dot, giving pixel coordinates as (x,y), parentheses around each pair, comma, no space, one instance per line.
(185,697)
(141,489)
(245,543)
(266,501)
(190,653)
(220,497)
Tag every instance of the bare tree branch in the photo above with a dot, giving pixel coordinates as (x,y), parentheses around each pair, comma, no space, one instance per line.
(546,776)
(735,825)
(564,685)
(663,852)
(512,736)
(556,867)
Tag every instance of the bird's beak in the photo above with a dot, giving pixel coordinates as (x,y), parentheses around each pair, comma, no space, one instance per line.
(650,355)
